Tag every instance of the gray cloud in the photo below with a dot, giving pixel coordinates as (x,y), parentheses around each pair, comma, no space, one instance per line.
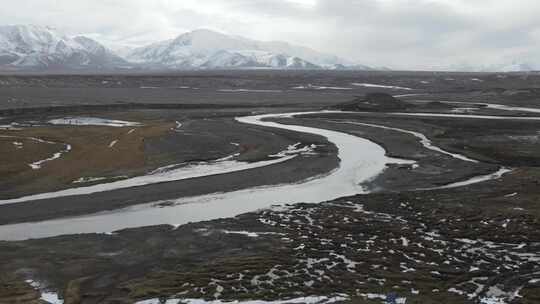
(407,34)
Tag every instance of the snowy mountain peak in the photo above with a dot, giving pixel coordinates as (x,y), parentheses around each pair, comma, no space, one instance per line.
(33,46)
(208,49)
(27,38)
(43,47)
(203,39)
(203,35)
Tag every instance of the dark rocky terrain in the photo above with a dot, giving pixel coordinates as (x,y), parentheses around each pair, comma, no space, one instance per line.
(374,102)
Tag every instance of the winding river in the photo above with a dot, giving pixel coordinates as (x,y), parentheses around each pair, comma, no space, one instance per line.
(360,161)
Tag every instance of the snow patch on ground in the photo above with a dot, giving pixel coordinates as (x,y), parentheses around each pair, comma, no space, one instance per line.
(177,127)
(317,87)
(294,149)
(372,85)
(114,142)
(300,300)
(37,165)
(92,121)
(83,180)
(10,127)
(47,296)
(249,233)
(249,90)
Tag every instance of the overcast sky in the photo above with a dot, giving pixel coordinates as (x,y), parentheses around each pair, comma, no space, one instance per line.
(411,34)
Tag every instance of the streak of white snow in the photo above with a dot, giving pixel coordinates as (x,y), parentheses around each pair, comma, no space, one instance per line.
(372,85)
(92,121)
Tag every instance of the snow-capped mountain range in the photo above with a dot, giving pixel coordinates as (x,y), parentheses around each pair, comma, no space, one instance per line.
(31,47)
(38,47)
(211,50)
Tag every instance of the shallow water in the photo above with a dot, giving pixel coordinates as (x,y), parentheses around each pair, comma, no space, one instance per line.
(165,174)
(487,105)
(360,161)
(423,139)
(494,117)
(474,180)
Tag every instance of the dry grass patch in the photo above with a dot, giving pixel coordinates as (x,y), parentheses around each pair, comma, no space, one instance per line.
(92,154)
